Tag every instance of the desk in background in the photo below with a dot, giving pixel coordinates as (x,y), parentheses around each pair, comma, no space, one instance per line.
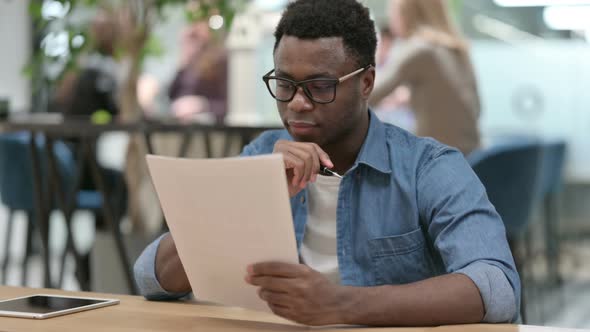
(136,314)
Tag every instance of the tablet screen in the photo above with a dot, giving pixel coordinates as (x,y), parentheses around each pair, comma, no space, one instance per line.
(43,304)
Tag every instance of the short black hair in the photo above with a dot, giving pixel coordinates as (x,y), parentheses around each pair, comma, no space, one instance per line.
(349,19)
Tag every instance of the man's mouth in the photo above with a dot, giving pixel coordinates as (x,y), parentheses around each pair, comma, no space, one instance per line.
(301,127)
(301,123)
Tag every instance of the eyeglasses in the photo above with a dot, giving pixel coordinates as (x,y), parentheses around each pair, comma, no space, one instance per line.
(318,90)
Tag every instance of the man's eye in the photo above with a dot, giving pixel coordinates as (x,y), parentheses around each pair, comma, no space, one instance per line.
(283,84)
(321,85)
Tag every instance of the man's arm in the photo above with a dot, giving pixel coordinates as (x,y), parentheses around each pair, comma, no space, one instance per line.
(447,299)
(169,269)
(303,295)
(466,231)
(160,262)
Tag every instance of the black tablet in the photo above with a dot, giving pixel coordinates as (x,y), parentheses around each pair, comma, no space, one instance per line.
(41,306)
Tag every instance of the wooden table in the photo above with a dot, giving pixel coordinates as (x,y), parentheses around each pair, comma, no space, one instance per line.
(136,314)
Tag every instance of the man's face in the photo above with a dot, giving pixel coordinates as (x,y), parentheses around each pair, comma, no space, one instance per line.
(307,121)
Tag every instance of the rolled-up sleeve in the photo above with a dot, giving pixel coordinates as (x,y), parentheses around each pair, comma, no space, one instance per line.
(468,233)
(495,289)
(145,275)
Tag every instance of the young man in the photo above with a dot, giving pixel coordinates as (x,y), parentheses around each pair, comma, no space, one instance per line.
(406,237)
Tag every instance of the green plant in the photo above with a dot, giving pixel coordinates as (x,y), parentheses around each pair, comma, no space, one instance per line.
(456,7)
(62,30)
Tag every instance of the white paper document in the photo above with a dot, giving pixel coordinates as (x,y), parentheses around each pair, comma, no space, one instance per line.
(225,214)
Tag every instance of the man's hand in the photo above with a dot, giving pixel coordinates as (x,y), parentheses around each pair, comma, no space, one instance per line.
(299,293)
(302,163)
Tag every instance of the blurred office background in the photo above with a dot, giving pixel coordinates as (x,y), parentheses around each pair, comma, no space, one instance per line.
(531,61)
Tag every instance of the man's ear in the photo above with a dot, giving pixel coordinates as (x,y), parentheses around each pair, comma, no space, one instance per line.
(367,82)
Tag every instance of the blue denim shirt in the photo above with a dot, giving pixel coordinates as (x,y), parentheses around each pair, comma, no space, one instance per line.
(409,209)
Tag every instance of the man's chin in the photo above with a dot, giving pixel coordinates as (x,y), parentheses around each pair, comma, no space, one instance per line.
(305,138)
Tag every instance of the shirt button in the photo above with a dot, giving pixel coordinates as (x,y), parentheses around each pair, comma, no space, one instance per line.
(302,199)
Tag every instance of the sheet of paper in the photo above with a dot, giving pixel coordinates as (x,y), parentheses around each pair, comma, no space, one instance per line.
(225,214)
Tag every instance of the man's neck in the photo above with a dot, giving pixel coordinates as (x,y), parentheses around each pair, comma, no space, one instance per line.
(345,152)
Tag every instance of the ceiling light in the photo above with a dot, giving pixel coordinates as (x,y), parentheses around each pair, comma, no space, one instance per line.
(540,3)
(567,17)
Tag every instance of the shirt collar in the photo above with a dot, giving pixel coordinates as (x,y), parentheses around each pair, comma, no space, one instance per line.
(375,150)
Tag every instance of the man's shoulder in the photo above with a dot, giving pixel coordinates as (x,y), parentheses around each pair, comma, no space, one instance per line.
(407,147)
(265,143)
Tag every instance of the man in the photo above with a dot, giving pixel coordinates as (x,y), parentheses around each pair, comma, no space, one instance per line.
(407,237)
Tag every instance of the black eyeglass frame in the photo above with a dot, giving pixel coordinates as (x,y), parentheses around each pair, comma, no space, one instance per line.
(303,84)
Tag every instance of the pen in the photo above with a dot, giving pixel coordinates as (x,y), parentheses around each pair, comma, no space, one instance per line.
(328,172)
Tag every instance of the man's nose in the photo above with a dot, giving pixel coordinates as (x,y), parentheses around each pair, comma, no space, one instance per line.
(300,102)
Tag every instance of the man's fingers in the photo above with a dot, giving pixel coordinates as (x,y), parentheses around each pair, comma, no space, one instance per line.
(296,164)
(274,284)
(319,156)
(308,157)
(276,298)
(281,311)
(278,269)
(315,167)
(293,190)
(309,162)
(323,156)
(305,159)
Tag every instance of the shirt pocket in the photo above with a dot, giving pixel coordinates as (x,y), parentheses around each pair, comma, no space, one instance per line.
(401,259)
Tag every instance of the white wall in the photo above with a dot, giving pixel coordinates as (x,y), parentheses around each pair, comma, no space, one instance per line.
(540,89)
(15,49)
(167,32)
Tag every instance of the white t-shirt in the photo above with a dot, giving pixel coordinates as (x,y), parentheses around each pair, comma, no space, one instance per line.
(319,248)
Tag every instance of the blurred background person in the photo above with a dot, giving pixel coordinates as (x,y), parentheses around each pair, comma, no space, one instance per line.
(432,59)
(395,107)
(384,45)
(200,84)
(93,86)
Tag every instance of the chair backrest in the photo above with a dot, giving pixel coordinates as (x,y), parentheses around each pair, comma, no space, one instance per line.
(511,175)
(16,175)
(552,166)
